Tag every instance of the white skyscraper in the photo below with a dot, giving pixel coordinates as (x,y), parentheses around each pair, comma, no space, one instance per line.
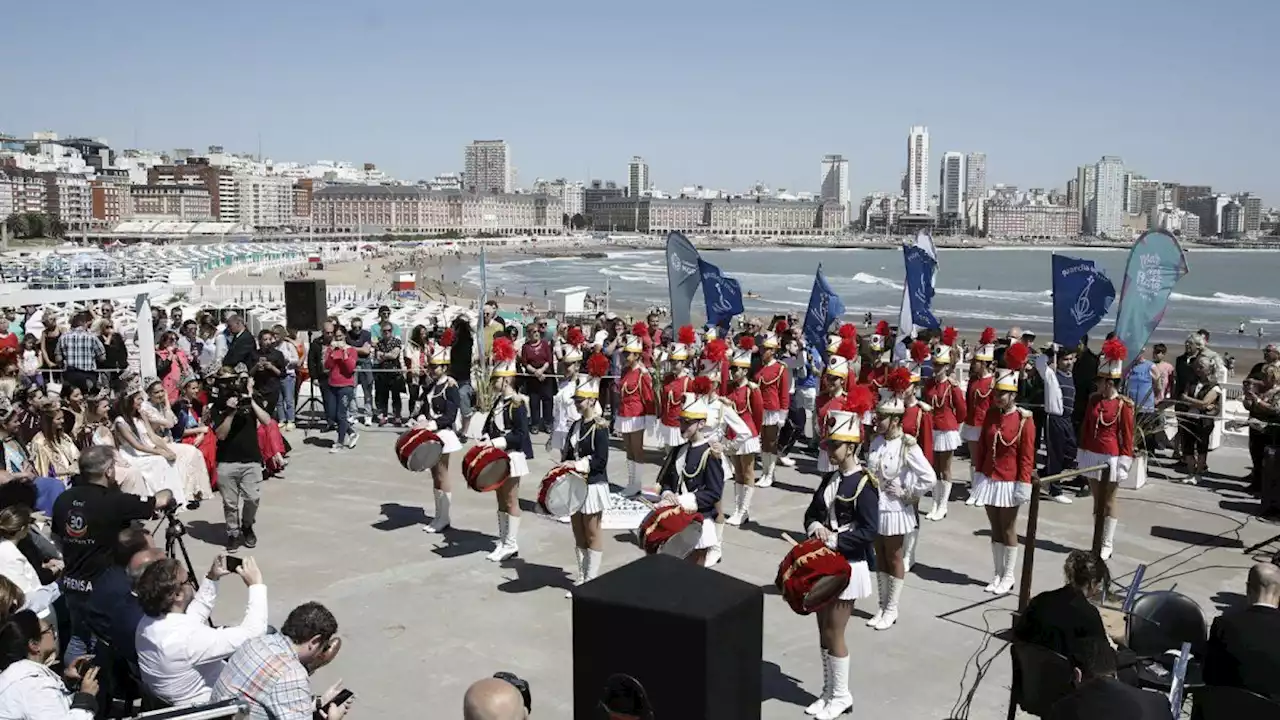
(637,176)
(918,170)
(975,191)
(487,166)
(951,185)
(835,181)
(1106,211)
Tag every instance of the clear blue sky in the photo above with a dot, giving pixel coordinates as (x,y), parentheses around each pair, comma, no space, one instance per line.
(708,91)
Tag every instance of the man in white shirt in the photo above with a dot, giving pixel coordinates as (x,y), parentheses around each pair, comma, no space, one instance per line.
(179,654)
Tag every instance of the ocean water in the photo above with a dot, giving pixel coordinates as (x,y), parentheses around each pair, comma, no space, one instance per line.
(975,287)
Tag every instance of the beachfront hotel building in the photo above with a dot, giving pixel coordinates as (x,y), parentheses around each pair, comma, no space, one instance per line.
(487,167)
(1031,221)
(1106,211)
(421,211)
(757,216)
(835,182)
(917,180)
(951,186)
(170,203)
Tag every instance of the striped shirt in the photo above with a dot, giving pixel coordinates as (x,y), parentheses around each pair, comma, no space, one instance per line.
(266,673)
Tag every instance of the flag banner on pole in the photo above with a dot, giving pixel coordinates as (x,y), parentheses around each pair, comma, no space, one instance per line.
(825,307)
(683,277)
(723,295)
(920,267)
(907,328)
(1082,295)
(1156,264)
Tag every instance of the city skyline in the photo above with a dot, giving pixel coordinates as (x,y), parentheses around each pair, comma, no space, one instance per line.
(373,84)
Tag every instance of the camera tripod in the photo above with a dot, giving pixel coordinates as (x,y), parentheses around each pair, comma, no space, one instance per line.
(173,544)
(313,403)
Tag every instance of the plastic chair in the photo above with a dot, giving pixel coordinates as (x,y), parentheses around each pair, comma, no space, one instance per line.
(1216,702)
(1162,621)
(1042,677)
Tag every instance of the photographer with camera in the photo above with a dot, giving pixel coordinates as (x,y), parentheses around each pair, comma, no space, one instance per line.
(179,654)
(87,520)
(272,673)
(235,415)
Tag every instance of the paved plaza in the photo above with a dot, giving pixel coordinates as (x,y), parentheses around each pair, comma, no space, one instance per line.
(424,616)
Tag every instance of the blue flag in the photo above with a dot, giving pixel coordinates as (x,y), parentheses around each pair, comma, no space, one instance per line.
(1082,295)
(723,294)
(825,307)
(1156,264)
(682,277)
(921,267)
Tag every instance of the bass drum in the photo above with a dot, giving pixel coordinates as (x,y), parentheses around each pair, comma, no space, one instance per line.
(419,450)
(485,468)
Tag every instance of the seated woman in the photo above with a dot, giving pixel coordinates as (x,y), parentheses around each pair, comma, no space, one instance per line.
(190,459)
(15,524)
(95,429)
(140,446)
(190,428)
(31,690)
(72,407)
(18,465)
(53,452)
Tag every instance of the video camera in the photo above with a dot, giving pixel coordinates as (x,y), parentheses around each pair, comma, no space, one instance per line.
(231,384)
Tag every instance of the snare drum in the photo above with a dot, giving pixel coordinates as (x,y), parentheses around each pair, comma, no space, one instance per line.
(485,467)
(419,449)
(563,492)
(812,575)
(671,530)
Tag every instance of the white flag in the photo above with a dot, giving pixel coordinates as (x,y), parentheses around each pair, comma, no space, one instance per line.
(906,328)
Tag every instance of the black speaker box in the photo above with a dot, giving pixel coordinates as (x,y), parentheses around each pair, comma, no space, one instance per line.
(691,638)
(305,305)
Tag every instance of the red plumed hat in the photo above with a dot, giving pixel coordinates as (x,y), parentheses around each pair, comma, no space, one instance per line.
(504,350)
(781,327)
(882,328)
(701,385)
(686,335)
(949,336)
(899,380)
(640,329)
(848,349)
(919,351)
(847,330)
(446,339)
(746,342)
(716,351)
(1114,350)
(574,336)
(988,336)
(859,400)
(1015,357)
(598,365)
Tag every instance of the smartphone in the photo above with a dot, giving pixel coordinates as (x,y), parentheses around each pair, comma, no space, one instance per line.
(340,698)
(233,563)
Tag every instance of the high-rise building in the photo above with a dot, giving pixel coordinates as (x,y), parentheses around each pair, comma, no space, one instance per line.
(951,186)
(69,199)
(1106,212)
(1132,192)
(1250,213)
(835,181)
(917,181)
(1086,187)
(487,167)
(975,191)
(1073,193)
(637,176)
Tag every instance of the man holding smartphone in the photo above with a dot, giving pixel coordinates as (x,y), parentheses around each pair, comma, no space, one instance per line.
(272,673)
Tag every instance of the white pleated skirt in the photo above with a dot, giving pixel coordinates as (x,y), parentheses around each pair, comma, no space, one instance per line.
(807,397)
(708,537)
(996,493)
(597,498)
(449,439)
(861,584)
(665,436)
(1117,464)
(775,418)
(519,464)
(750,446)
(628,425)
(970,433)
(946,440)
(896,522)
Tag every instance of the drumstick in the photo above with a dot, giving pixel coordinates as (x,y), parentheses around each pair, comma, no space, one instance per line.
(789,539)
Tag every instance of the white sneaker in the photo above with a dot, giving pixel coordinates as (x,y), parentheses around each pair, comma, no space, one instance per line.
(337,449)
(352,439)
(786,462)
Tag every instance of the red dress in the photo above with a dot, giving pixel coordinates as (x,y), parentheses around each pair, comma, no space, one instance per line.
(635,390)
(673,399)
(917,422)
(977,398)
(1006,451)
(749,406)
(775,386)
(947,402)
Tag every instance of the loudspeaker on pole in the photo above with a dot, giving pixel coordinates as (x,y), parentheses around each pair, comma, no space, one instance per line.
(305,305)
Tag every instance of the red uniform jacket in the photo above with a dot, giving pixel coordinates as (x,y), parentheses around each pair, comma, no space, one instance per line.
(873,376)
(775,386)
(673,399)
(917,422)
(1006,450)
(748,404)
(977,399)
(947,402)
(635,388)
(1108,426)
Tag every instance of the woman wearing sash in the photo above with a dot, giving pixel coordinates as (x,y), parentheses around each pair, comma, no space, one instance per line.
(507,428)
(586,452)
(840,363)
(774,380)
(745,398)
(666,432)
(636,406)
(946,399)
(440,401)
(845,515)
(917,421)
(1106,438)
(977,398)
(695,479)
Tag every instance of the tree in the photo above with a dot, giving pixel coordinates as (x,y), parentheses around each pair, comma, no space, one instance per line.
(565,221)
(56,228)
(18,225)
(578,222)
(36,225)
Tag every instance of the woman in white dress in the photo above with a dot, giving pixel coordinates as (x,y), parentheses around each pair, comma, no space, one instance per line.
(95,429)
(188,459)
(845,515)
(586,453)
(440,403)
(140,447)
(564,408)
(905,474)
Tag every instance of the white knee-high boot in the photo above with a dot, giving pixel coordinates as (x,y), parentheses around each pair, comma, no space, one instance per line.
(509,547)
(715,552)
(882,583)
(633,479)
(440,522)
(1008,578)
(821,703)
(1108,537)
(580,554)
(767,462)
(591,564)
(941,494)
(997,563)
(890,615)
(503,520)
(742,510)
(909,549)
(841,699)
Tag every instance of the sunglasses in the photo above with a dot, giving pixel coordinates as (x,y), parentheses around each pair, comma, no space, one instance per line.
(519,684)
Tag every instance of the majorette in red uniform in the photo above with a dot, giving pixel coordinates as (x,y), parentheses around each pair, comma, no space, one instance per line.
(774,380)
(636,406)
(667,431)
(977,398)
(745,396)
(839,364)
(1106,438)
(1005,459)
(917,421)
(874,375)
(947,400)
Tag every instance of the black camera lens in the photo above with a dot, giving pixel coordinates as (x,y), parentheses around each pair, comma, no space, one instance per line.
(520,684)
